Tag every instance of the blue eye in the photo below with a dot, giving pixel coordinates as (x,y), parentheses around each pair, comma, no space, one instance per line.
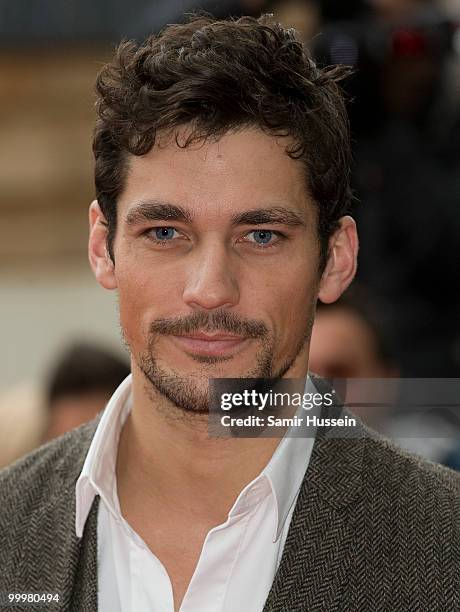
(262,236)
(164,233)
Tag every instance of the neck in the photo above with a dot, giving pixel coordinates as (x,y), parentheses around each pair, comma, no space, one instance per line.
(167,458)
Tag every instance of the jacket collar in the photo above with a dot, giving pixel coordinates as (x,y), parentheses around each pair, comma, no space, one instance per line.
(318,551)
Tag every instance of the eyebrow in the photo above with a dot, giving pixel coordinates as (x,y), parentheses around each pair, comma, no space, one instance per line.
(261,216)
(154,210)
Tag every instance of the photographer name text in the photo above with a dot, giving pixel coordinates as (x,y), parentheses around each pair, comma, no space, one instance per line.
(295,421)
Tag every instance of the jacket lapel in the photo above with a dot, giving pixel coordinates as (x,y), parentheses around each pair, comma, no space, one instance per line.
(71,563)
(85,588)
(318,550)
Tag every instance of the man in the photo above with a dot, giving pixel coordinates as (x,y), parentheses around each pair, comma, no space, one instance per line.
(81,382)
(222,179)
(350,339)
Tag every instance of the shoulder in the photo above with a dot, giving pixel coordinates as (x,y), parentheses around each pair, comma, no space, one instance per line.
(407,528)
(398,469)
(38,545)
(385,467)
(359,463)
(411,506)
(38,477)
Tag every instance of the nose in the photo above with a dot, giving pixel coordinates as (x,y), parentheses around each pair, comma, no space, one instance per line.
(211,282)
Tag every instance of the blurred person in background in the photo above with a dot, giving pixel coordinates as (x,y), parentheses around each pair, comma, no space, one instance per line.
(78,387)
(303,15)
(81,383)
(394,11)
(405,117)
(349,341)
(23,421)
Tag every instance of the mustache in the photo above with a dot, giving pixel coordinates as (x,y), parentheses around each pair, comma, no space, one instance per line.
(210,322)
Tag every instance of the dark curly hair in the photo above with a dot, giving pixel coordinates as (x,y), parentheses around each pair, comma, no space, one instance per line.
(218,75)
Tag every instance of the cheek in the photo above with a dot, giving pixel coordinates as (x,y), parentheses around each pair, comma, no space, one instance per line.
(297,306)
(288,301)
(144,296)
(293,289)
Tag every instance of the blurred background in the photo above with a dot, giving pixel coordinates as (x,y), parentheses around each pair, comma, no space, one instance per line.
(404,105)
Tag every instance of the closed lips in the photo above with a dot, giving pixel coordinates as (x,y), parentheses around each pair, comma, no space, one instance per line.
(211,338)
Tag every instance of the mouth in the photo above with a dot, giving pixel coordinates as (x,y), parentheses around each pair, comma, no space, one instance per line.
(219,344)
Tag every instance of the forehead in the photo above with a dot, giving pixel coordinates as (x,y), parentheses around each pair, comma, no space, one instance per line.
(229,174)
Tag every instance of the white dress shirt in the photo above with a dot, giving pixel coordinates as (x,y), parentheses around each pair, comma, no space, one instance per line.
(239,558)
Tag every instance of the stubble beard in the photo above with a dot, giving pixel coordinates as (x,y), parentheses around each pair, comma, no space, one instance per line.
(191,394)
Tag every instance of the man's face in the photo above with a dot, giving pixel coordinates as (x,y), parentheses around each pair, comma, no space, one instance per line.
(216,263)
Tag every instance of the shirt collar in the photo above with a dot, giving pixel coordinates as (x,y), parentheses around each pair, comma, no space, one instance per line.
(287,466)
(282,476)
(98,473)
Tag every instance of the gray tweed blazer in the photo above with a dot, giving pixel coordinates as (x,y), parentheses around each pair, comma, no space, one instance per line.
(374,529)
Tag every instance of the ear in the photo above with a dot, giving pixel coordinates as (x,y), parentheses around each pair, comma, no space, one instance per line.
(342,260)
(99,258)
